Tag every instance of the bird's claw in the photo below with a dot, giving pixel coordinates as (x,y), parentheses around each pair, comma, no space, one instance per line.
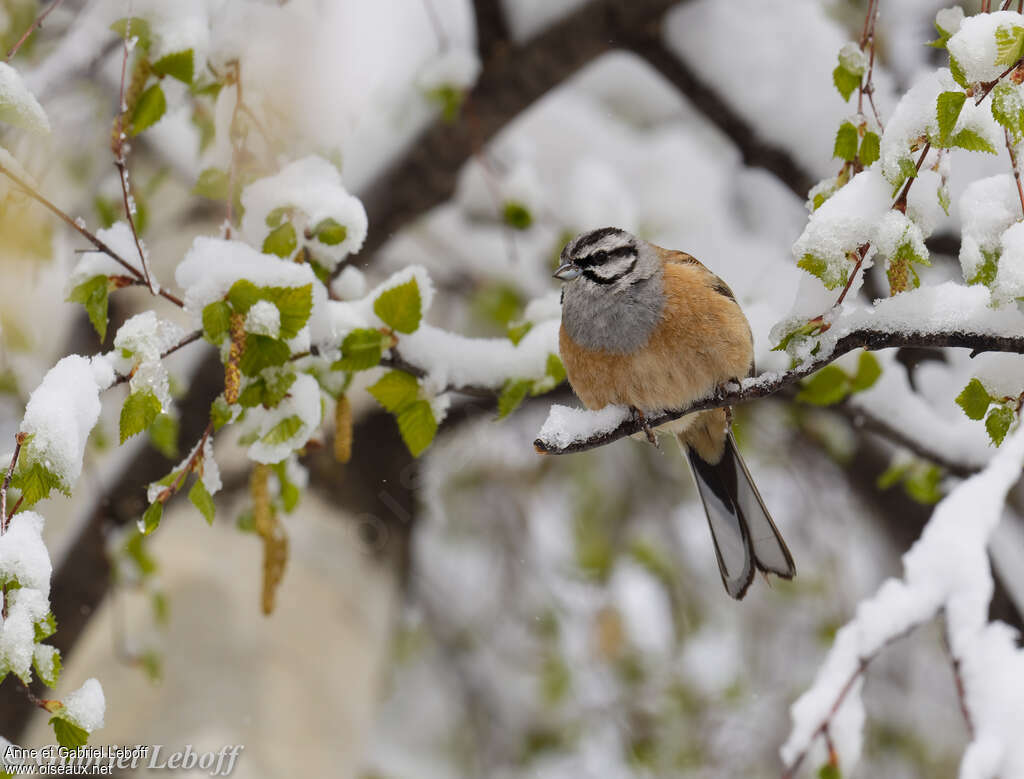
(638,415)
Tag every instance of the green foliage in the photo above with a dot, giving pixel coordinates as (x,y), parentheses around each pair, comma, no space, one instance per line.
(151,517)
(202,500)
(970,140)
(516,215)
(330,232)
(947,110)
(177,64)
(262,351)
(220,413)
(267,390)
(394,390)
(289,491)
(1009,44)
(67,733)
(846,142)
(846,81)
(137,27)
(869,148)
(93,295)
(450,99)
(35,481)
(1008,107)
(361,350)
(399,394)
(498,303)
(998,423)
(213,183)
(400,308)
(796,334)
(139,411)
(48,673)
(216,320)
(148,110)
(829,771)
(513,392)
(832,384)
(516,333)
(986,272)
(279,215)
(555,679)
(944,36)
(283,431)
(45,627)
(293,303)
(957,72)
(831,276)
(974,399)
(163,434)
(281,241)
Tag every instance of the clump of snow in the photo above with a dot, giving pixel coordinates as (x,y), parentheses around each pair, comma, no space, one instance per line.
(547,307)
(1009,281)
(263,318)
(949,19)
(18,106)
(565,426)
(988,207)
(895,229)
(140,342)
(86,706)
(853,58)
(23,556)
(455,67)
(349,284)
(974,44)
(119,238)
(25,607)
(312,189)
(211,471)
(60,414)
(303,401)
(946,570)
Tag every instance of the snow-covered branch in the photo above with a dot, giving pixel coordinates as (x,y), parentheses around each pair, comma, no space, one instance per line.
(568,431)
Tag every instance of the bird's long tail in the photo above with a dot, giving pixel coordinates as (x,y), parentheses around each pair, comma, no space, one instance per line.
(743,531)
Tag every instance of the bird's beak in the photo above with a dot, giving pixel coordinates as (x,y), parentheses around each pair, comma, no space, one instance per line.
(567,272)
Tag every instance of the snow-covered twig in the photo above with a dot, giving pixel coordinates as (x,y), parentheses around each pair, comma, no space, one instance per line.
(195,335)
(80,228)
(31,29)
(770,383)
(867,39)
(19,439)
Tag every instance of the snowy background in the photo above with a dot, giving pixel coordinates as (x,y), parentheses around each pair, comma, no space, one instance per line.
(484,611)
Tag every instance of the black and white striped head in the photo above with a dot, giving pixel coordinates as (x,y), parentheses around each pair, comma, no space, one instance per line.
(607,257)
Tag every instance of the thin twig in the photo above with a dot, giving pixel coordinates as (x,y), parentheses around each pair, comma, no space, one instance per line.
(19,439)
(1016,169)
(31,29)
(867,39)
(85,233)
(769,384)
(188,468)
(862,253)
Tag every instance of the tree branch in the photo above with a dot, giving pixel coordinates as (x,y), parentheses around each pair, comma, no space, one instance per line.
(31,29)
(769,384)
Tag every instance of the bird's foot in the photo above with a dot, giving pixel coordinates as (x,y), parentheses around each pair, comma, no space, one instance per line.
(638,415)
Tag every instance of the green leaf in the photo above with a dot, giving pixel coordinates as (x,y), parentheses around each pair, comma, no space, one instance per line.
(892,476)
(202,500)
(151,107)
(139,411)
(1007,107)
(986,272)
(974,399)
(289,492)
(278,216)
(93,295)
(283,431)
(216,320)
(177,64)
(137,27)
(220,413)
(68,734)
(400,308)
(213,183)
(276,386)
(262,351)
(45,627)
(48,672)
(846,142)
(947,110)
(922,483)
(998,422)
(970,140)
(512,395)
(395,390)
(818,267)
(1009,44)
(846,81)
(516,333)
(35,482)
(163,434)
(295,305)
(242,295)
(330,232)
(554,368)
(827,386)
(908,168)
(957,72)
(417,425)
(151,518)
(281,241)
(868,371)
(516,215)
(361,350)
(869,148)
(450,99)
(829,771)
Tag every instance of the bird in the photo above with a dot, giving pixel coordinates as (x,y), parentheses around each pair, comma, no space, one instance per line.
(653,329)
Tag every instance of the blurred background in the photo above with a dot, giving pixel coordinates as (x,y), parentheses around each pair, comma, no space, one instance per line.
(484,611)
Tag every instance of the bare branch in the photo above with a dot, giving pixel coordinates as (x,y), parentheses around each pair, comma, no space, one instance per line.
(769,384)
(31,29)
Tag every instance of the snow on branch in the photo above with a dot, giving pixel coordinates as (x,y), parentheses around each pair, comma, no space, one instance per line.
(567,430)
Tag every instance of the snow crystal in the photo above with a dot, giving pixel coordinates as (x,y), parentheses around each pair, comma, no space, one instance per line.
(18,106)
(565,426)
(988,207)
(147,337)
(312,188)
(212,265)
(119,238)
(263,318)
(974,44)
(896,229)
(23,556)
(60,414)
(349,284)
(86,706)
(853,58)
(303,401)
(454,67)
